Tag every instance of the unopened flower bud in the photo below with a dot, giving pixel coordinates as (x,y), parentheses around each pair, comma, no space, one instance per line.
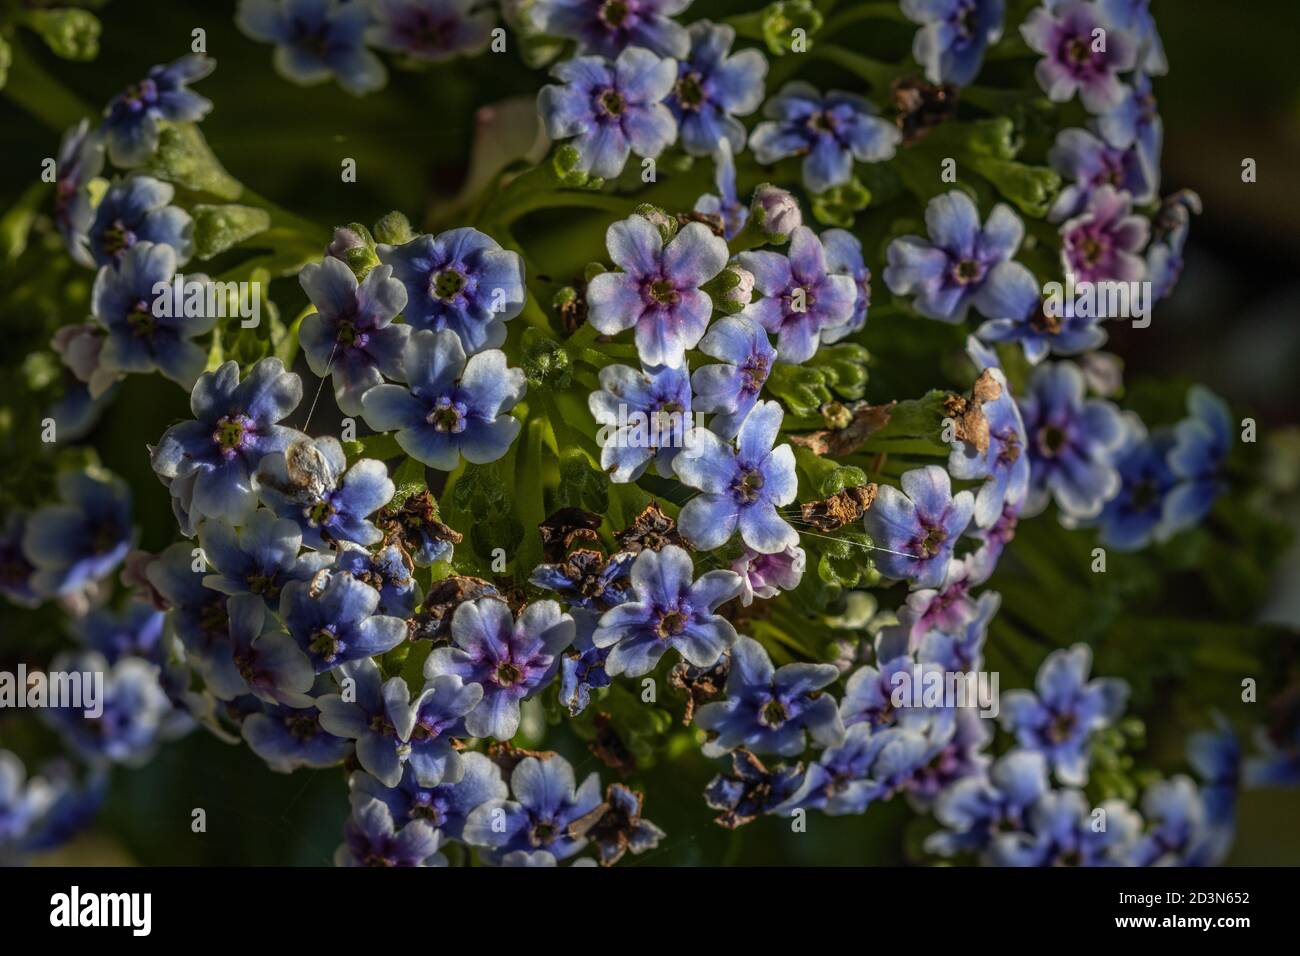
(353,245)
(776,212)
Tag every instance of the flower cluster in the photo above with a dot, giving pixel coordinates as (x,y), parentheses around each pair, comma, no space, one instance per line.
(689,473)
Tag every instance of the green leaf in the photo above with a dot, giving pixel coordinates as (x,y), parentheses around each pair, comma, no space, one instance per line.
(185,158)
(218,228)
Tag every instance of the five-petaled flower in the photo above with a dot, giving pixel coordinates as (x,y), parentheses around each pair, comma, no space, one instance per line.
(611,110)
(669,608)
(741,487)
(658,292)
(452,406)
(915,530)
(830,132)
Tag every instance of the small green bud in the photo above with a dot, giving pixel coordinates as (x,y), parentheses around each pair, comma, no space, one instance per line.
(1031,188)
(355,247)
(592,270)
(782,18)
(838,206)
(393,229)
(71,33)
(547,365)
(657,217)
(731,289)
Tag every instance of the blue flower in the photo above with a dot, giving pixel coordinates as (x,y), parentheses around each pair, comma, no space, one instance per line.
(802,298)
(658,291)
(844,257)
(915,530)
(1135,122)
(1215,755)
(1089,163)
(453,407)
(868,766)
(430,31)
(955,755)
(955,269)
(644,416)
(80,160)
(1135,19)
(371,839)
(1072,443)
(377,714)
(1165,254)
(730,391)
(1179,829)
(1003,465)
(316,39)
(608,27)
(260,659)
(23,802)
(740,487)
(1200,450)
(134,631)
(73,805)
(1277,760)
(1068,708)
(338,624)
(620,828)
(307,484)
(512,659)
(959,649)
(1139,512)
(137,210)
(669,610)
(1017,312)
(750,789)
(1104,242)
(582,669)
(148,329)
(288,738)
(767,710)
(871,690)
(724,204)
(207,463)
(614,109)
(1073,61)
(547,802)
(586,578)
(767,575)
(439,713)
(445,806)
(829,131)
(714,86)
(134,711)
(954,35)
(980,811)
(132,117)
(197,614)
(460,280)
(15,569)
(351,334)
(1062,831)
(81,539)
(260,557)
(387,571)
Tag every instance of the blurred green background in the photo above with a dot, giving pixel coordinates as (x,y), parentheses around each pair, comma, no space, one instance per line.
(1233,92)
